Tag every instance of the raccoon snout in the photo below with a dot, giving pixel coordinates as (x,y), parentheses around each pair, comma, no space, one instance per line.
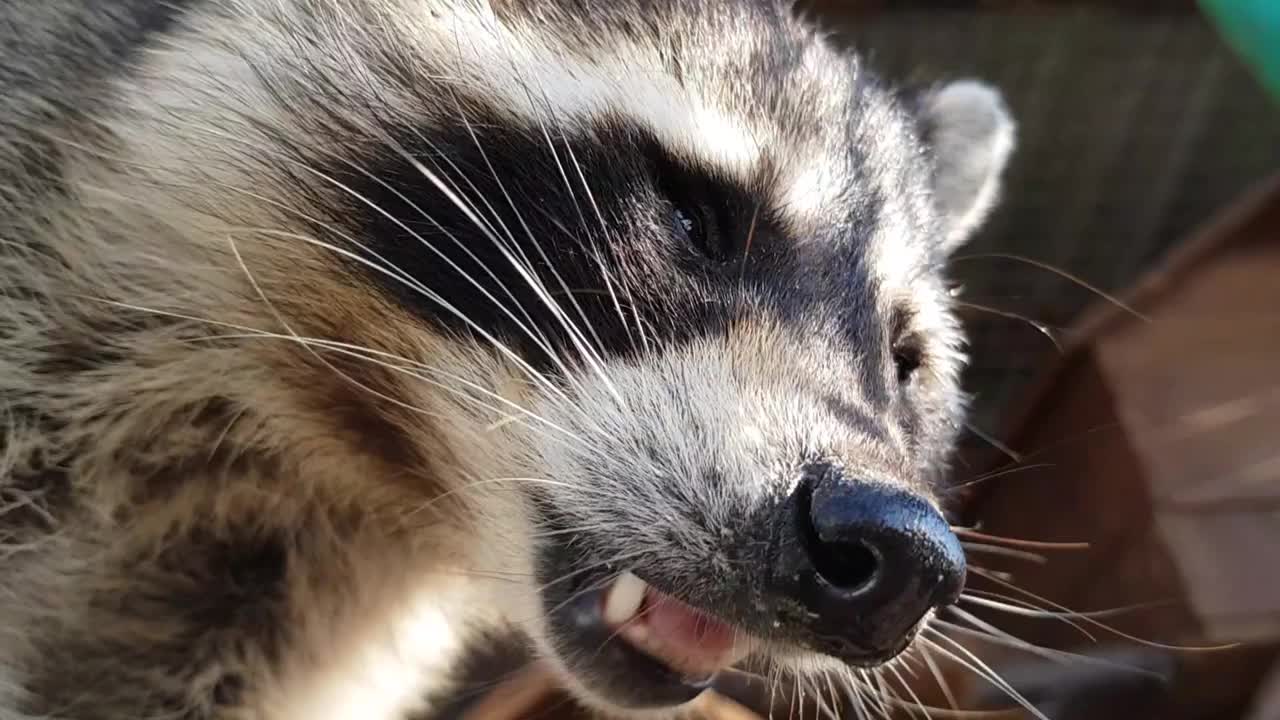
(864,561)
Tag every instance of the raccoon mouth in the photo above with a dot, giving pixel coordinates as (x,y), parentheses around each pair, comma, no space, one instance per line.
(632,646)
(688,640)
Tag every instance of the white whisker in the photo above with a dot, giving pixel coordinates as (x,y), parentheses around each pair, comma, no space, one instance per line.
(355,351)
(436,499)
(390,269)
(914,698)
(604,228)
(538,377)
(875,694)
(989,633)
(966,658)
(526,273)
(1004,552)
(582,218)
(1066,612)
(1019,542)
(941,677)
(1015,606)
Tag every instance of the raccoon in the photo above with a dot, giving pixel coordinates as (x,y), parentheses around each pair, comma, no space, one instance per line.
(337,335)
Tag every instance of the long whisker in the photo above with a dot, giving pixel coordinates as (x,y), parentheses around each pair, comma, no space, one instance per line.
(991,634)
(604,228)
(855,693)
(526,273)
(876,693)
(971,661)
(390,270)
(591,358)
(796,693)
(969,594)
(368,354)
(587,568)
(1023,457)
(1004,552)
(528,326)
(542,126)
(609,292)
(575,595)
(522,263)
(1056,271)
(835,694)
(1041,327)
(598,585)
(809,683)
(434,297)
(436,499)
(598,527)
(940,677)
(402,277)
(884,702)
(1018,542)
(1014,606)
(414,369)
(289,329)
(582,218)
(1068,612)
(887,690)
(993,442)
(914,698)
(510,201)
(997,473)
(746,252)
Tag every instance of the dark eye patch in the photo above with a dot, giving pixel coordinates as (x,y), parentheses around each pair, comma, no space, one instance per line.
(684,250)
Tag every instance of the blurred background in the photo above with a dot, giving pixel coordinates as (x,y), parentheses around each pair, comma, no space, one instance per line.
(1124,311)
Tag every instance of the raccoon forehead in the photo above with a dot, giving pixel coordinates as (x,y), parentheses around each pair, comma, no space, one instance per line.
(750,98)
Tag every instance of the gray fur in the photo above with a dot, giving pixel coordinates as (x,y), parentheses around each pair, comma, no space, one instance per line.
(243,477)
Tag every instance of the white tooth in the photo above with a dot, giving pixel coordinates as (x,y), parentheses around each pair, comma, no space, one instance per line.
(624,599)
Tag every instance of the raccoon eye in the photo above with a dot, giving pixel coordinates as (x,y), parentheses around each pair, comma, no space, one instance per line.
(695,225)
(687,224)
(699,210)
(905,346)
(907,358)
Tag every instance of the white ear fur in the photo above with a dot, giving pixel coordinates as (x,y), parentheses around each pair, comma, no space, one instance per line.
(972,135)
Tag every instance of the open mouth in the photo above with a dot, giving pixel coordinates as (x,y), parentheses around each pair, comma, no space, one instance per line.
(635,646)
(684,638)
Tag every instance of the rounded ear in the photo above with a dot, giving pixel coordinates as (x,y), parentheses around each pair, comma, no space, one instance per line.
(972,135)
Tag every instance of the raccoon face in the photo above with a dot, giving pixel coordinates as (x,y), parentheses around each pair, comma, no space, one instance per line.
(707,247)
(712,246)
(756,447)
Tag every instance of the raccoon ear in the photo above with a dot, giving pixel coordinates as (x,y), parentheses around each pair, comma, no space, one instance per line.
(971,134)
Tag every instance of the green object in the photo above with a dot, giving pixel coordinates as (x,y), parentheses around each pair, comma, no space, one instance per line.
(1252,29)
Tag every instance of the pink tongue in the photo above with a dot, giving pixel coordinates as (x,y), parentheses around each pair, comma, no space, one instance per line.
(702,640)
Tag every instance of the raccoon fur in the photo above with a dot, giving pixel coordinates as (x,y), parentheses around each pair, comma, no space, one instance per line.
(336,335)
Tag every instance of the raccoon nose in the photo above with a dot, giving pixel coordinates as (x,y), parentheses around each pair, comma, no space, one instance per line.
(866,560)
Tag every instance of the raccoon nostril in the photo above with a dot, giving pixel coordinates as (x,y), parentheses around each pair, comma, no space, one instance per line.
(848,566)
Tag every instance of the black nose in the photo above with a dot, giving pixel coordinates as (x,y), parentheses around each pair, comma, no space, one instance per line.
(865,560)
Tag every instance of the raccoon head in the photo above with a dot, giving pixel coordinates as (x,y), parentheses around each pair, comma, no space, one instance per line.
(689,255)
(712,244)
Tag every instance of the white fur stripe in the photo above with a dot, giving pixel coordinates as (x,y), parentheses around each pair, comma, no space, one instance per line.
(521,72)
